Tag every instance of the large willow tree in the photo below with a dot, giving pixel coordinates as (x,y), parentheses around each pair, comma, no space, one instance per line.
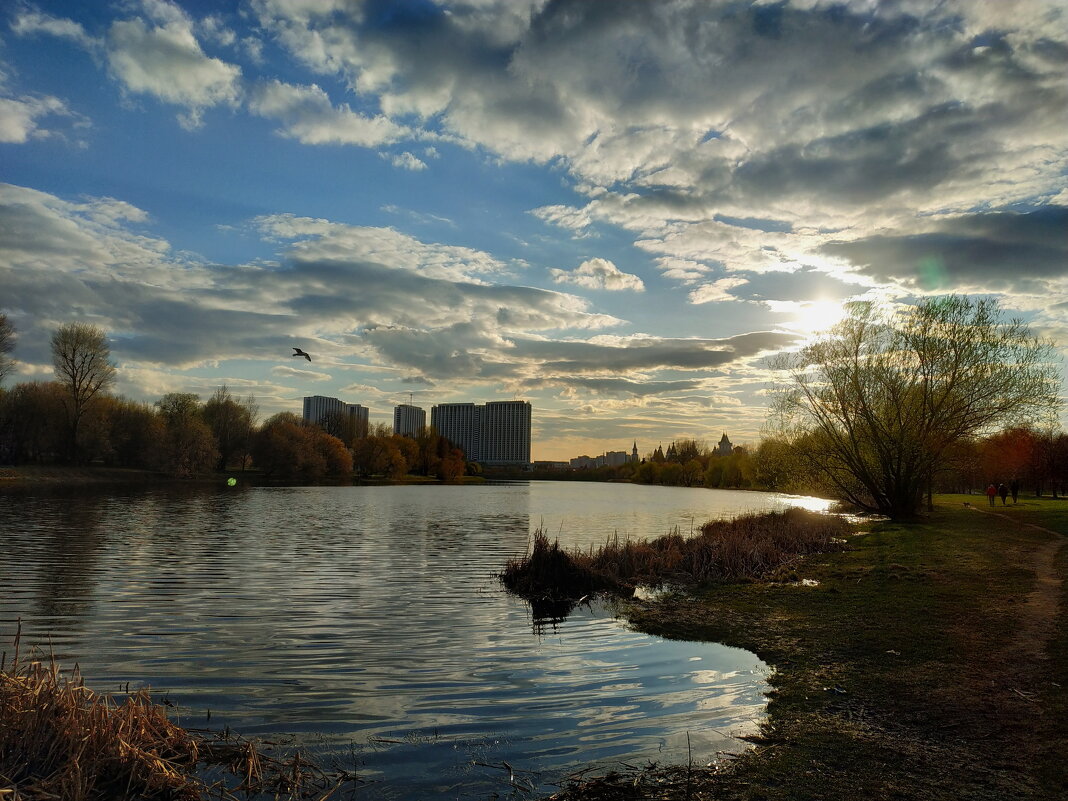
(873,406)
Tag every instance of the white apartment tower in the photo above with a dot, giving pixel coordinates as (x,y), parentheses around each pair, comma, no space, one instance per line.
(460,424)
(359,416)
(506,433)
(408,420)
(316,407)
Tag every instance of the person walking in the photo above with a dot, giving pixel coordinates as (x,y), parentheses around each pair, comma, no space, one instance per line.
(991,492)
(1003,491)
(1014,488)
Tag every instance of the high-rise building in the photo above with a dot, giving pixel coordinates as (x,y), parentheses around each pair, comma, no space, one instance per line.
(316,407)
(505,433)
(497,433)
(319,407)
(460,424)
(358,416)
(408,420)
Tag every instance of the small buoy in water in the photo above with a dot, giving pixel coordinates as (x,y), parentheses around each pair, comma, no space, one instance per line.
(231,482)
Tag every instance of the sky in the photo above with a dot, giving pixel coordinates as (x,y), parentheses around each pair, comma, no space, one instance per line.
(618,211)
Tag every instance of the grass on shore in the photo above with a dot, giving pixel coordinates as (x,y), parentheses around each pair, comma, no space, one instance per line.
(930,662)
(60,740)
(747,547)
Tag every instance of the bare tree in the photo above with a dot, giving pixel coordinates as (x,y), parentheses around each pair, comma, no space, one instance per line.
(82,360)
(874,407)
(7,344)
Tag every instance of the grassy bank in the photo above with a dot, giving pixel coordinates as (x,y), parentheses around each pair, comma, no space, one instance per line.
(930,662)
(64,476)
(60,740)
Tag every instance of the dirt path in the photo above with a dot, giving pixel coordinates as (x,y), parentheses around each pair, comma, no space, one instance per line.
(1039,613)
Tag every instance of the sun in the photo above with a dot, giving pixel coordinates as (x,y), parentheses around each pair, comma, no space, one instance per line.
(813,316)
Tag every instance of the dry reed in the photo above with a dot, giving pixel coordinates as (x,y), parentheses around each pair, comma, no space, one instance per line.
(61,740)
(748,547)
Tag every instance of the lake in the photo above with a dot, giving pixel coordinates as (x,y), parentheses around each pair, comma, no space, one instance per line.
(367,624)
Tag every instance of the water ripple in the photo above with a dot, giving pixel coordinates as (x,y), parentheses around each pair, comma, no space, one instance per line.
(371,619)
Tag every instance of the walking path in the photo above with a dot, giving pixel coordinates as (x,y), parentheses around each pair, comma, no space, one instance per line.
(1038,614)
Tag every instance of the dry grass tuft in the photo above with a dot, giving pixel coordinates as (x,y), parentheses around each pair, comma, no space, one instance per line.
(60,740)
(748,547)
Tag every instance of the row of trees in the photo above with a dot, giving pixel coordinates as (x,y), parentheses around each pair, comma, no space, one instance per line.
(690,463)
(75,420)
(1037,458)
(40,423)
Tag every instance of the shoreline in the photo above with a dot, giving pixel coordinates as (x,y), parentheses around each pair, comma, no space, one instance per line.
(929,662)
(68,477)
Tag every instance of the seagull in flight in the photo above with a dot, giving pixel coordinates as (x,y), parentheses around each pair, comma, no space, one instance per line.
(299,352)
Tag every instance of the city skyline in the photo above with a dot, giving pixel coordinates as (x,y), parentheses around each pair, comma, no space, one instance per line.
(622,212)
(405,423)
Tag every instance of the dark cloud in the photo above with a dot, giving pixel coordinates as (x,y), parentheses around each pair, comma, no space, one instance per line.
(996,251)
(648,354)
(169,331)
(463,351)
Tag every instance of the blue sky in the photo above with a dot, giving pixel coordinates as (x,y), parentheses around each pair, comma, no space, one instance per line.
(618,211)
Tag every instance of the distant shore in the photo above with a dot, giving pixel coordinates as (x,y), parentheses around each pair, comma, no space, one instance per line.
(67,476)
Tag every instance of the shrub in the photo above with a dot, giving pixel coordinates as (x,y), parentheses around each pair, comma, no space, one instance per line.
(748,547)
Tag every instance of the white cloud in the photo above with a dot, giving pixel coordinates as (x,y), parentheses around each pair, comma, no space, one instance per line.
(716,291)
(167,62)
(19,117)
(308,116)
(323,240)
(577,220)
(685,271)
(214,29)
(32,22)
(598,273)
(406,161)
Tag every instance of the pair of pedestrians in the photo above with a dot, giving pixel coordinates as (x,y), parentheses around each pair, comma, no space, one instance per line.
(1003,490)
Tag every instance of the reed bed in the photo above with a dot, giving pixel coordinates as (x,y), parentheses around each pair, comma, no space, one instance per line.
(61,740)
(748,547)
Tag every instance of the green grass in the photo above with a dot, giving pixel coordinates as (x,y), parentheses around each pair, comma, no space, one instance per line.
(1046,511)
(918,628)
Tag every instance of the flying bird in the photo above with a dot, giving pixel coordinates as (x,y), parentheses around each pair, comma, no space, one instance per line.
(299,352)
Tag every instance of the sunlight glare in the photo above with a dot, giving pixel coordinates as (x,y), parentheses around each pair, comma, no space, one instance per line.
(812,316)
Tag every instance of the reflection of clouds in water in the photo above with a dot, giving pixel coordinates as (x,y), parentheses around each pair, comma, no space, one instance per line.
(343,614)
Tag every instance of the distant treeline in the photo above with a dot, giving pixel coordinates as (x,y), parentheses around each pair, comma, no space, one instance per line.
(688,463)
(183,436)
(1037,458)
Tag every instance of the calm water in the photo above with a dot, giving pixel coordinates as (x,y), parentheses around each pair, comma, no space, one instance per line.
(366,623)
